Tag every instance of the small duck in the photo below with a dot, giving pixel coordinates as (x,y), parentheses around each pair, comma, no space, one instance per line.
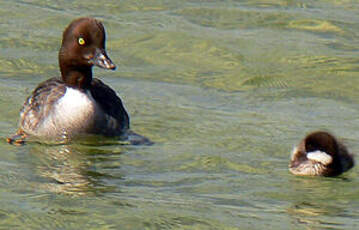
(320,154)
(77,104)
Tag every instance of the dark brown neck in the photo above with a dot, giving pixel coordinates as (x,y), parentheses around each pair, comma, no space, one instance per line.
(78,77)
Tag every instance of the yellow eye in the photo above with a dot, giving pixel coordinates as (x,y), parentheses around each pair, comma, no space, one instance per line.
(81,41)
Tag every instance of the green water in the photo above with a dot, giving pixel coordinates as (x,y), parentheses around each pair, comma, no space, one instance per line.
(224,88)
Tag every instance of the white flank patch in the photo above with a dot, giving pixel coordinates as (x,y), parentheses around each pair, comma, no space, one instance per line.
(319,156)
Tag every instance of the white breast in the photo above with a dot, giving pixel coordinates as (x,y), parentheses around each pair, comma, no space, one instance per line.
(75,103)
(73,113)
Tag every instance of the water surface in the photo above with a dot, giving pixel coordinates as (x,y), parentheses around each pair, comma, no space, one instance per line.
(224,88)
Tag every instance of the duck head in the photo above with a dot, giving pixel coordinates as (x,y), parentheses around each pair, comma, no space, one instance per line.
(83,46)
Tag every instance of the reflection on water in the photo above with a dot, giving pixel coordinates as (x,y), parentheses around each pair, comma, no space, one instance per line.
(304,214)
(224,88)
(71,170)
(318,202)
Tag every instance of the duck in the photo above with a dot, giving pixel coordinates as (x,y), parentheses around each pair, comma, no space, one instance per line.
(77,104)
(320,154)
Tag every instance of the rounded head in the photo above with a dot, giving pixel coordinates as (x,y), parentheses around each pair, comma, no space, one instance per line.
(322,141)
(83,45)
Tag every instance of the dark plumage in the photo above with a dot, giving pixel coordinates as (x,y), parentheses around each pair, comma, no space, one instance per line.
(320,154)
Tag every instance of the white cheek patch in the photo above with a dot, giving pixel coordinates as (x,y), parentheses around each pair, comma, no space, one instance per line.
(319,156)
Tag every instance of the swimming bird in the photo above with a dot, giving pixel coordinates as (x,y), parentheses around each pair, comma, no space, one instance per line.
(320,154)
(77,104)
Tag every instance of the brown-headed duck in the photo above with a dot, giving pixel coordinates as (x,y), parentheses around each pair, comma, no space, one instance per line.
(77,104)
(320,154)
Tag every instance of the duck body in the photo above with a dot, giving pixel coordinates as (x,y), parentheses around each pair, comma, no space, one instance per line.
(320,154)
(77,104)
(56,111)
